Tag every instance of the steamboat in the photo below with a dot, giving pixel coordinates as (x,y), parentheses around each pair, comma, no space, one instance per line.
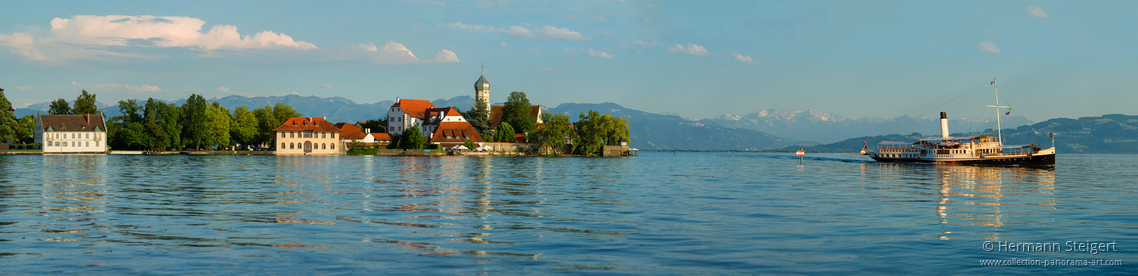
(967,150)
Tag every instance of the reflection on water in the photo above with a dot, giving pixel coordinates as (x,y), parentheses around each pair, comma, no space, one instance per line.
(689,213)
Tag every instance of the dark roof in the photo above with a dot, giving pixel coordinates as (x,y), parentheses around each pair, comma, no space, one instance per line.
(86,122)
(458,131)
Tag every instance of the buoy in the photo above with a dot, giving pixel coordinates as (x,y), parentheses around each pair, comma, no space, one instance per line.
(863,152)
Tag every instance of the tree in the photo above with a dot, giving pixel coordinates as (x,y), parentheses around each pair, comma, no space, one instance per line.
(167,117)
(282,113)
(266,122)
(85,104)
(195,126)
(59,107)
(553,133)
(479,117)
(244,126)
(504,133)
(618,129)
(26,129)
(396,141)
(592,129)
(158,136)
(129,129)
(218,121)
(413,138)
(470,144)
(516,111)
(375,125)
(8,123)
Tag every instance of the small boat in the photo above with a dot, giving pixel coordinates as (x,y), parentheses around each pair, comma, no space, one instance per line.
(967,150)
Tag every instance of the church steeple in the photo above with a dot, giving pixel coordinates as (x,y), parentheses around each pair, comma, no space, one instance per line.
(482,89)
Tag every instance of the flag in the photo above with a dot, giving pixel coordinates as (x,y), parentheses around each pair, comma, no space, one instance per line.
(863,145)
(1009,112)
(993,81)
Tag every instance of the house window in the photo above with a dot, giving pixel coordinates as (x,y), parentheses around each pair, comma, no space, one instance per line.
(291,146)
(308,134)
(323,146)
(282,135)
(333,146)
(323,135)
(87,144)
(282,144)
(292,135)
(96,143)
(307,146)
(333,135)
(88,136)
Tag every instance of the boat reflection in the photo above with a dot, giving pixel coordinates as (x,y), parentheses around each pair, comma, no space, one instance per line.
(978,196)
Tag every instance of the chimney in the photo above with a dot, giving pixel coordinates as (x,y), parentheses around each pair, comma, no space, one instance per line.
(88,116)
(943,124)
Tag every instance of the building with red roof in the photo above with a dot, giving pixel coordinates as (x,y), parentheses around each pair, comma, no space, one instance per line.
(406,113)
(307,135)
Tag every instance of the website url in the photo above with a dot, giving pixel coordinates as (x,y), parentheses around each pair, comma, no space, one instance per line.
(1048,263)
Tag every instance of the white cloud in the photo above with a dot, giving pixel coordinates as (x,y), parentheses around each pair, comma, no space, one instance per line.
(988,47)
(391,53)
(640,43)
(476,28)
(519,31)
(83,36)
(327,86)
(115,87)
(746,59)
(165,31)
(503,44)
(690,49)
(193,89)
(224,89)
(551,70)
(24,88)
(562,34)
(444,56)
(1034,11)
(589,52)
(548,32)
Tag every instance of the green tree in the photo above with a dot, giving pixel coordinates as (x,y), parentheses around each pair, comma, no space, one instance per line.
(618,129)
(470,144)
(8,123)
(195,121)
(396,141)
(59,107)
(282,113)
(129,128)
(479,117)
(26,129)
(266,122)
(553,133)
(167,118)
(413,138)
(158,136)
(516,111)
(592,129)
(377,126)
(85,104)
(504,133)
(218,120)
(244,126)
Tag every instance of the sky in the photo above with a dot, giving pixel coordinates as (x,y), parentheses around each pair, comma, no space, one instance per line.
(697,59)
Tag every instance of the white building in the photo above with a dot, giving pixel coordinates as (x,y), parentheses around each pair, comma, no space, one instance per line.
(71,133)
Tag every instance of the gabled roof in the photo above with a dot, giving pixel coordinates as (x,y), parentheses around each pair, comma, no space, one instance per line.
(349,131)
(448,111)
(86,122)
(381,136)
(458,132)
(414,108)
(306,124)
(496,114)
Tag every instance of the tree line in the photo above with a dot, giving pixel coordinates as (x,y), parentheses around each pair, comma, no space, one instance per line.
(197,124)
(14,130)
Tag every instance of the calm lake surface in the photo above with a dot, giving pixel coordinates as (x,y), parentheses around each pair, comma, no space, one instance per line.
(659,213)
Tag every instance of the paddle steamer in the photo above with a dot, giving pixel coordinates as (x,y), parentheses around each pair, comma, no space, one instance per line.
(979,149)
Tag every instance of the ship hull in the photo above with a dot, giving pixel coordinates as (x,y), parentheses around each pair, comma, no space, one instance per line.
(1015,160)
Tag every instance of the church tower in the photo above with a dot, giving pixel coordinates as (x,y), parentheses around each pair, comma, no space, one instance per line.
(482,90)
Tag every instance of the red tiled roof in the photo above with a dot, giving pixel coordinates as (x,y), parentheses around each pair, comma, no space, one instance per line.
(381,136)
(496,114)
(414,108)
(458,131)
(349,131)
(306,124)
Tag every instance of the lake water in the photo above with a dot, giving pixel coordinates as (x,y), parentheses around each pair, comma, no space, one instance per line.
(659,213)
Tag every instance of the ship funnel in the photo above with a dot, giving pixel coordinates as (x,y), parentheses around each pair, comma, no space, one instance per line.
(943,124)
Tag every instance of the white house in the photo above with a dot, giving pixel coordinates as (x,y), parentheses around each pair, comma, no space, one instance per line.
(71,133)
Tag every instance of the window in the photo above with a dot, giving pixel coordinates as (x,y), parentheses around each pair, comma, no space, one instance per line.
(333,146)
(307,146)
(308,134)
(88,144)
(96,143)
(88,136)
(282,144)
(333,135)
(291,146)
(282,136)
(292,135)
(323,146)
(323,135)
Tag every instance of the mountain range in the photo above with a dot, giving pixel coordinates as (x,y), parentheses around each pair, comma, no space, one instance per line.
(762,130)
(821,127)
(1111,133)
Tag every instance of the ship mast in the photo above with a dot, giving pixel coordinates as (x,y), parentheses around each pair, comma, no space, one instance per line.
(999,129)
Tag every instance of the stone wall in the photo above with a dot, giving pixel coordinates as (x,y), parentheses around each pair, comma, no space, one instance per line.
(610,151)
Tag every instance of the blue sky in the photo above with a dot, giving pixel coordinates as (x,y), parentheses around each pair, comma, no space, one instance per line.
(699,59)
